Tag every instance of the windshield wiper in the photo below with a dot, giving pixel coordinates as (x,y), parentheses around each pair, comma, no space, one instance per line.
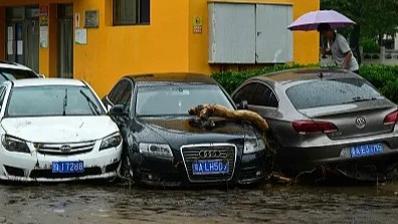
(65,104)
(91,104)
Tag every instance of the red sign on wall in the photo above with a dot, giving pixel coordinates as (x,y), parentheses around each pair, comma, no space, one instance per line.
(43,15)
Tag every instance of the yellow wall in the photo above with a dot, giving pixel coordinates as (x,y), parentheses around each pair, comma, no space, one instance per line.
(167,44)
(113,51)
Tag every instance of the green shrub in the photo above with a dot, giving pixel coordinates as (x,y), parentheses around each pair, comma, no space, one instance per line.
(379,75)
(370,46)
(390,90)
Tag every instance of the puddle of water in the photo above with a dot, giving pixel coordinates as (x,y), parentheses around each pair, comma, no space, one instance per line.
(117,204)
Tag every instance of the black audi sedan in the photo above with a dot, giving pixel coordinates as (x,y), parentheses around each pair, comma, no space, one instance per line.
(164,146)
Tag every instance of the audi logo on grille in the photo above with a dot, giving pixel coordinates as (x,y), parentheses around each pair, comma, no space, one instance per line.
(211,154)
(65,148)
(360,122)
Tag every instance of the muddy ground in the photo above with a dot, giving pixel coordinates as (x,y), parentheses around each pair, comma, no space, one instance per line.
(106,203)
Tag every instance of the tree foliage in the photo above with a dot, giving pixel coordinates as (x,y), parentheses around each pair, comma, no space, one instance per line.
(374,18)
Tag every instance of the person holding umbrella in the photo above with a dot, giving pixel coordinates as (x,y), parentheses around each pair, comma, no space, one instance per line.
(339,48)
(326,21)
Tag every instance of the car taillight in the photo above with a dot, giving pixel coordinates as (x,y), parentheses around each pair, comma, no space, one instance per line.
(304,127)
(391,118)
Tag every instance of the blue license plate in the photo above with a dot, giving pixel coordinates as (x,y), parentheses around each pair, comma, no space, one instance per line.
(366,150)
(68,167)
(210,167)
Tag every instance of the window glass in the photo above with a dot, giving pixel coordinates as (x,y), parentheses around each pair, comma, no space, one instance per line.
(260,95)
(318,93)
(177,100)
(117,92)
(272,101)
(130,12)
(245,93)
(12,74)
(53,101)
(126,95)
(263,96)
(2,95)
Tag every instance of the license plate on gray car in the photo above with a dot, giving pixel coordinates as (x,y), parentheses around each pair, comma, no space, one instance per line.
(366,150)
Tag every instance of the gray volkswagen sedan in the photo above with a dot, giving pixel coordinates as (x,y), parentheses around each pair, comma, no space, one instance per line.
(332,121)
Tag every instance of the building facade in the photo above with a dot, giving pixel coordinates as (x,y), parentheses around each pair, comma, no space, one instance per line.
(101,40)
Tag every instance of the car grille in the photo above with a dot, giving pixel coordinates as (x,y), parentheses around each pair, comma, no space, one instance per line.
(224,151)
(64,149)
(49,175)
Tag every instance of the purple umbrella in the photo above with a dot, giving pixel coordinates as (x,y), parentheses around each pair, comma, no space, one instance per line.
(311,20)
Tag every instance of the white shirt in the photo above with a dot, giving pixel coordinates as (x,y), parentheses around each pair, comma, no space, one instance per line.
(340,48)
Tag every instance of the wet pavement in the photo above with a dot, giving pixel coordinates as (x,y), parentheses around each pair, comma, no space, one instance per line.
(106,203)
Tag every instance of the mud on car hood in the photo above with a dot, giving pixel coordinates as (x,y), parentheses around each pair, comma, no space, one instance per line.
(59,129)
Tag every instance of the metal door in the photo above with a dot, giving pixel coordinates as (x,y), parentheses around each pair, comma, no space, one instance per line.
(274,42)
(31,39)
(22,32)
(65,23)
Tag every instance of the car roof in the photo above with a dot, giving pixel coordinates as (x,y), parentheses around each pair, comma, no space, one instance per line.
(167,78)
(47,82)
(295,75)
(13,65)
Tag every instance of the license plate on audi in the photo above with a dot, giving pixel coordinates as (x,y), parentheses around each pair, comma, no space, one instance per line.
(68,167)
(210,167)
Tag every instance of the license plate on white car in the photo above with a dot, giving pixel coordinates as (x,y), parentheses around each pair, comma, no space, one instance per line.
(366,150)
(68,167)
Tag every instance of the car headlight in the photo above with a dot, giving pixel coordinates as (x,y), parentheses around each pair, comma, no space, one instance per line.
(253,145)
(14,144)
(111,141)
(157,150)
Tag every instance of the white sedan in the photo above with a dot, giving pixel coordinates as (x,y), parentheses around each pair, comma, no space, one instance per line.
(55,130)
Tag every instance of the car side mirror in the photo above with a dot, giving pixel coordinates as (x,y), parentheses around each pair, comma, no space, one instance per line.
(118,110)
(243,105)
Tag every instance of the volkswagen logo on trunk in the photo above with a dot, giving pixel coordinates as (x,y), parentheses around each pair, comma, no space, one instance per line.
(65,148)
(204,154)
(360,122)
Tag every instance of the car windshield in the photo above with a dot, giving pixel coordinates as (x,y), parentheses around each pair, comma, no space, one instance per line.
(177,99)
(319,93)
(12,74)
(54,100)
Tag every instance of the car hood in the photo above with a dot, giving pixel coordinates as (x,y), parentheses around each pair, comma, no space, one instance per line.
(181,131)
(59,129)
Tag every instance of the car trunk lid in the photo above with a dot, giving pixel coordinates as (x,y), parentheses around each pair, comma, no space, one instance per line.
(357,119)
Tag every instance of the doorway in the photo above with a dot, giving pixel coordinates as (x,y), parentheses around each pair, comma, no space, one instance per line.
(22,32)
(65,41)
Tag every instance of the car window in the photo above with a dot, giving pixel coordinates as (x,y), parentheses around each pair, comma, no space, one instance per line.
(328,92)
(260,95)
(245,93)
(263,96)
(54,100)
(12,74)
(168,100)
(126,95)
(3,78)
(118,92)
(2,95)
